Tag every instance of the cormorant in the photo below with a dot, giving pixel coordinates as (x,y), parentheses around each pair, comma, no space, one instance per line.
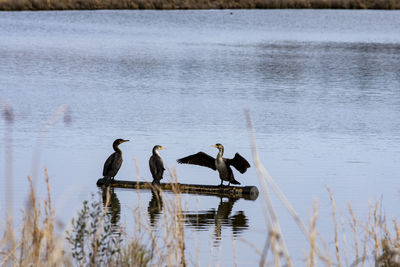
(156,165)
(114,161)
(221,164)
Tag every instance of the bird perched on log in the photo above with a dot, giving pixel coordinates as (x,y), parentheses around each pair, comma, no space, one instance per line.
(222,165)
(156,165)
(114,161)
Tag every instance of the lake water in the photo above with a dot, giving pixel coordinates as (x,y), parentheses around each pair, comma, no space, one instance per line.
(322,88)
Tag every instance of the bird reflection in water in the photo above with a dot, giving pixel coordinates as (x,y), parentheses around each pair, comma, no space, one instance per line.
(155,207)
(220,218)
(202,220)
(113,205)
(198,220)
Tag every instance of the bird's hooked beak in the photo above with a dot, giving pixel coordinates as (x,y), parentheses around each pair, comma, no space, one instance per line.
(214,146)
(123,141)
(162,147)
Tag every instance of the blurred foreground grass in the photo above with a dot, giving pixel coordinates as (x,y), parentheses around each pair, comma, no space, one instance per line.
(93,238)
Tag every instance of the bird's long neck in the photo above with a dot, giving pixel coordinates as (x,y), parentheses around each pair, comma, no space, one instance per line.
(116,148)
(155,152)
(220,152)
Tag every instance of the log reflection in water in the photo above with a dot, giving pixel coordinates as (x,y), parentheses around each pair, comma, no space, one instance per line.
(220,217)
(202,220)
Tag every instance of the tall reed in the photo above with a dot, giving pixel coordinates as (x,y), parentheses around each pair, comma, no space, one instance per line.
(36,244)
(93,240)
(386,246)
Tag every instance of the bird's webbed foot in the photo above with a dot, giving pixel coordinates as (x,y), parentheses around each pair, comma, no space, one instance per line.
(107,181)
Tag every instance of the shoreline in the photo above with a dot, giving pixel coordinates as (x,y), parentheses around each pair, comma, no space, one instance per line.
(53,5)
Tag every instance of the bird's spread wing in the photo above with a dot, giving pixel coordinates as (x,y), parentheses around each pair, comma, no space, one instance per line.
(201,159)
(240,163)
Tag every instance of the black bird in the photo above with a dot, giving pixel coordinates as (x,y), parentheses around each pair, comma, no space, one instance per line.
(156,165)
(221,164)
(114,161)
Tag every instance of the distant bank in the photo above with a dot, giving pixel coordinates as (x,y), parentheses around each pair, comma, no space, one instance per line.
(16,5)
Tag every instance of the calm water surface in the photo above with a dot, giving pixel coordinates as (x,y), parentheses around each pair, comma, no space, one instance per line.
(322,88)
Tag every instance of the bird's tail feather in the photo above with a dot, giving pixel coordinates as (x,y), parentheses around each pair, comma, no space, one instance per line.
(234,182)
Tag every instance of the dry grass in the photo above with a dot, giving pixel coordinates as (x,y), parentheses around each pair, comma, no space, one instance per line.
(194,4)
(36,243)
(385,249)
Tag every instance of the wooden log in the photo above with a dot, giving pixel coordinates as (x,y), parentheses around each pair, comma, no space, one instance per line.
(246,192)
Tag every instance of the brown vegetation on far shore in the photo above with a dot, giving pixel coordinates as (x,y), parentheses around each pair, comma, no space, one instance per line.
(18,5)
